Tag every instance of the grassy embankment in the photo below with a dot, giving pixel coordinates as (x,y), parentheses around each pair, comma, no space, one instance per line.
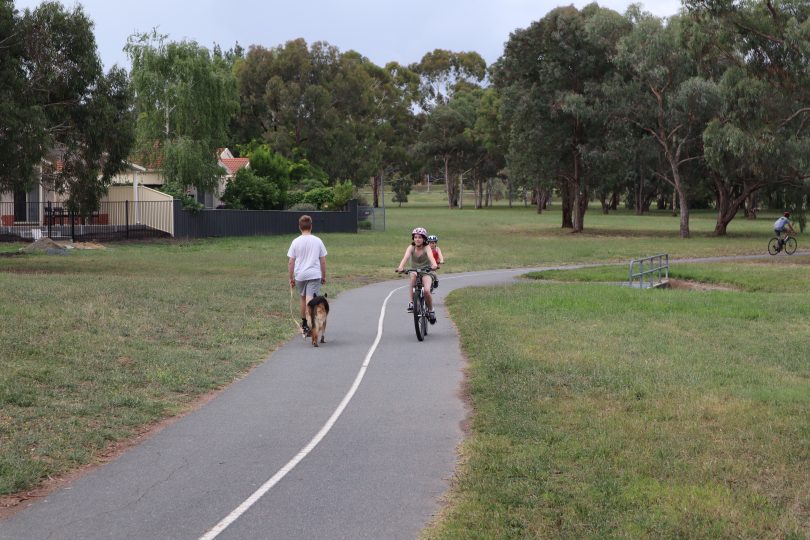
(99,344)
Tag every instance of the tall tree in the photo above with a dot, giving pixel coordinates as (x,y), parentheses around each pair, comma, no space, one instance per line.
(22,122)
(553,71)
(662,95)
(185,101)
(441,72)
(762,139)
(68,109)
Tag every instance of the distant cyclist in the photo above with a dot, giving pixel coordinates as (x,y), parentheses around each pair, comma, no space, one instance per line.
(433,242)
(781,228)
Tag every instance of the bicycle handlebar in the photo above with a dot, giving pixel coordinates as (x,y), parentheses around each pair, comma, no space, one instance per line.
(424,270)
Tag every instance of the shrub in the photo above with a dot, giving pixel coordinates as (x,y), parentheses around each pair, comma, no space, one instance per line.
(320,197)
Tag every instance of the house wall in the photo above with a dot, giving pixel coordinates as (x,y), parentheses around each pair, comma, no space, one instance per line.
(148,178)
(144,206)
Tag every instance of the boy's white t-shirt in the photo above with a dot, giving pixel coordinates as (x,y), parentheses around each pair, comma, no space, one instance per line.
(307,250)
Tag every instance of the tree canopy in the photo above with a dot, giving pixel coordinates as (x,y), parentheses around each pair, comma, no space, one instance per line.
(59,113)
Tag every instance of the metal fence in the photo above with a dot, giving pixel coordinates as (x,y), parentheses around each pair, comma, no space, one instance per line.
(111,221)
(656,274)
(150,219)
(370,218)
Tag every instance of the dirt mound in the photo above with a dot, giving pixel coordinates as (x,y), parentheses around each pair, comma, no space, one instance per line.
(42,245)
(697,285)
(87,245)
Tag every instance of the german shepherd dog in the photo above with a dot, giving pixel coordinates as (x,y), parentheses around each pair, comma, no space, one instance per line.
(318,311)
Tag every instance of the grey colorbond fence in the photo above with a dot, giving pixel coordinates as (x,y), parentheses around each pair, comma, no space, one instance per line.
(130,220)
(208,223)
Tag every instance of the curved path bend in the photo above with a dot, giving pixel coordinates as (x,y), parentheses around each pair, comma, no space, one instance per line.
(354,439)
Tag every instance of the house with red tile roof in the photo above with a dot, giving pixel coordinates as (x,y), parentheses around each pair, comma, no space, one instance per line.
(140,182)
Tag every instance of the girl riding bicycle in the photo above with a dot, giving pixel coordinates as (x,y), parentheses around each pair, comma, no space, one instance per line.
(418,255)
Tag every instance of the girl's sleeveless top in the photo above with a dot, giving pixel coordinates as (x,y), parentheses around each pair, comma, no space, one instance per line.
(419,261)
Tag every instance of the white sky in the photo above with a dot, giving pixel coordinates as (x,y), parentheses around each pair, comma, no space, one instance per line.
(381,30)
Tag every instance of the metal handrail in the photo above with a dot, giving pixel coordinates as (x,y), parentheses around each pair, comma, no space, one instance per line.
(658,264)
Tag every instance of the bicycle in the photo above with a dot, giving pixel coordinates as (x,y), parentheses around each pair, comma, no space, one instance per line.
(420,309)
(789,245)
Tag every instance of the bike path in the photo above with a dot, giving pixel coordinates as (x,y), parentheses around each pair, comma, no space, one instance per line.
(379,472)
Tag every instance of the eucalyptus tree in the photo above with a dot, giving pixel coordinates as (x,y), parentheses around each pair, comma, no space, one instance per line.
(338,110)
(442,71)
(59,104)
(490,133)
(661,95)
(761,142)
(551,75)
(185,101)
(443,139)
(22,122)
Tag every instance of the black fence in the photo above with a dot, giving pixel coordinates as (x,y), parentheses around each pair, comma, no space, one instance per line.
(111,221)
(155,219)
(208,223)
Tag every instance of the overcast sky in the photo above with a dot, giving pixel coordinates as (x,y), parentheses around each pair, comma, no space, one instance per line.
(381,30)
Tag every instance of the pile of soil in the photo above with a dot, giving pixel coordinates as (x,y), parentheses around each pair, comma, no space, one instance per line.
(48,245)
(697,285)
(42,245)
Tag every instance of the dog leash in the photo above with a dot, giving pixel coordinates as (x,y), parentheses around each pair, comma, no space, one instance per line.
(292,313)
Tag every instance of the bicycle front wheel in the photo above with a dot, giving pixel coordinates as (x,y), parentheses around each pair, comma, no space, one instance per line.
(418,302)
(773,246)
(790,245)
(423,320)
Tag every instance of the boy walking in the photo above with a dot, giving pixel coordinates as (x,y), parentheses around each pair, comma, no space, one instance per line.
(307,266)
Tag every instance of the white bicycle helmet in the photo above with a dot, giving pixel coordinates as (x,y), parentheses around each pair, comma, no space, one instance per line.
(433,238)
(420,231)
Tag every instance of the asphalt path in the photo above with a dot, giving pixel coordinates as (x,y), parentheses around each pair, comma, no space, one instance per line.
(355,439)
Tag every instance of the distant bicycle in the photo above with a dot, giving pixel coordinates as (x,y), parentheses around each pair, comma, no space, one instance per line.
(789,245)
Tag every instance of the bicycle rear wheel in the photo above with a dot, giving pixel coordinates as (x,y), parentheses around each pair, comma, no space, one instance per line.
(790,245)
(773,246)
(418,303)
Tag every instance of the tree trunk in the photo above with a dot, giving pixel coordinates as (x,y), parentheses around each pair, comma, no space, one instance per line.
(680,193)
(751,207)
(614,201)
(728,206)
(581,206)
(449,184)
(375,190)
(567,203)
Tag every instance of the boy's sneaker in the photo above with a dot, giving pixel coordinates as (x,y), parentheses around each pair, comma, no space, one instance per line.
(432,316)
(410,307)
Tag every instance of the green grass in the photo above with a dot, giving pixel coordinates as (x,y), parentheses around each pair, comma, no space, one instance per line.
(603,411)
(750,275)
(97,345)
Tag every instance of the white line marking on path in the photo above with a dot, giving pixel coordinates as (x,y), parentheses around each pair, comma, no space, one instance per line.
(217,529)
(259,493)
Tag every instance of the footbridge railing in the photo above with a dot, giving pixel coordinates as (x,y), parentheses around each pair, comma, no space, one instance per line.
(656,273)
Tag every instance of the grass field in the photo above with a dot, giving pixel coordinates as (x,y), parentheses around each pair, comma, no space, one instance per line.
(575,418)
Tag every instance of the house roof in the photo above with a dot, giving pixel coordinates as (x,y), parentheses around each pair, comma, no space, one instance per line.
(234,164)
